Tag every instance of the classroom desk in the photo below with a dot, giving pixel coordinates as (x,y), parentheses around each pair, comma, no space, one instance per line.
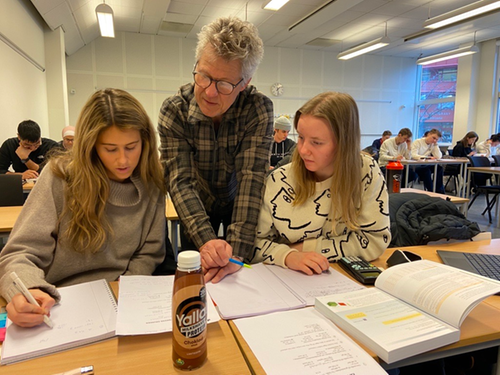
(28,186)
(458,201)
(144,354)
(463,169)
(491,170)
(8,216)
(172,216)
(481,328)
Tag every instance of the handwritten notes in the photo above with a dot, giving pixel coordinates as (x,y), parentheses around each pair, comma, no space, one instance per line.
(86,314)
(146,305)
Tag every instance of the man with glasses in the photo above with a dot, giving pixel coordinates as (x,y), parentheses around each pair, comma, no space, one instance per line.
(216,136)
(26,152)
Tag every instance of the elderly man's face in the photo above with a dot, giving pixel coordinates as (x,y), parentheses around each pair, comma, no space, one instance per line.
(211,102)
(68,142)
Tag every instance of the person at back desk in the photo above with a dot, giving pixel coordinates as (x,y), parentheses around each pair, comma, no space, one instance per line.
(26,153)
(216,137)
(397,148)
(282,145)
(466,146)
(331,201)
(96,214)
(427,148)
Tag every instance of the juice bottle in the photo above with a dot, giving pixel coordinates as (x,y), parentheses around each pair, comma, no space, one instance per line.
(189,313)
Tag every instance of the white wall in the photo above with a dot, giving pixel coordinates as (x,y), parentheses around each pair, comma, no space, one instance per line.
(23,93)
(153,67)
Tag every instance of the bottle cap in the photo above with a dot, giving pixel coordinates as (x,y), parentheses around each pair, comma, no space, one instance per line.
(189,259)
(395,165)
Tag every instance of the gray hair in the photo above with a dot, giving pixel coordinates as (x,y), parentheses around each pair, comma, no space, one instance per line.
(233,39)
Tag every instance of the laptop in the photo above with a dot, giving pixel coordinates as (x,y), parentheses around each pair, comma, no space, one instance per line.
(11,186)
(482,264)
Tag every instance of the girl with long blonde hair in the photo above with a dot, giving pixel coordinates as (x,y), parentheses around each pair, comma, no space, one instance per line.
(96,212)
(331,201)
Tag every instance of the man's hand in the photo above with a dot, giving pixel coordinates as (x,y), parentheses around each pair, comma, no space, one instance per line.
(30,173)
(309,263)
(215,253)
(25,314)
(217,274)
(23,152)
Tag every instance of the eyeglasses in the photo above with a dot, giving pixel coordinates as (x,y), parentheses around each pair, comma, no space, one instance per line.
(223,87)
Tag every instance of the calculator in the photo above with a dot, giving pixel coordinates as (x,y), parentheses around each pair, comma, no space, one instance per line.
(360,269)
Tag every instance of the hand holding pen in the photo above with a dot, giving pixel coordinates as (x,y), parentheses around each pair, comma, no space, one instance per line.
(24,309)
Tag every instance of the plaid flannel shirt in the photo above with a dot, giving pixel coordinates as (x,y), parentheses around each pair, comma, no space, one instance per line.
(209,173)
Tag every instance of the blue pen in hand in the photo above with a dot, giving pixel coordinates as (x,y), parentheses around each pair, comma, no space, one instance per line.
(25,292)
(232,260)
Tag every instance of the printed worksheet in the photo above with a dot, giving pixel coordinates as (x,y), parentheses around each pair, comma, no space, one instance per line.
(145,305)
(304,342)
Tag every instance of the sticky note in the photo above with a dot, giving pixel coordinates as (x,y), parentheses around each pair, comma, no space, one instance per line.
(2,334)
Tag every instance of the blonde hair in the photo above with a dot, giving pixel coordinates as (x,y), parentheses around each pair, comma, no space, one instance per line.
(87,182)
(233,39)
(341,113)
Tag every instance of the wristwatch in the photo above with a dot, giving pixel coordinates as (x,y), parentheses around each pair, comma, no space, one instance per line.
(24,161)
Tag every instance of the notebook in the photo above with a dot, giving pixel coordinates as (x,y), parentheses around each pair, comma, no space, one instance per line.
(263,289)
(86,314)
(482,264)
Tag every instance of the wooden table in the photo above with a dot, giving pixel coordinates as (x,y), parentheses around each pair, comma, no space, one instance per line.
(481,329)
(435,162)
(145,354)
(172,216)
(8,216)
(458,201)
(28,186)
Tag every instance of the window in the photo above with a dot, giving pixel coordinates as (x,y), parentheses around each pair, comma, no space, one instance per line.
(436,107)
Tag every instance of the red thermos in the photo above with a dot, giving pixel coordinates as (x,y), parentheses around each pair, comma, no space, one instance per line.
(394,176)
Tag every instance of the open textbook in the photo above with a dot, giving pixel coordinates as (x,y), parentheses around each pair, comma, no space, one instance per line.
(86,314)
(263,289)
(414,307)
(304,342)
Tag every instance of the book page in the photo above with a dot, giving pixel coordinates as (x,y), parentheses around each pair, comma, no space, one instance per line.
(304,342)
(445,292)
(390,327)
(309,287)
(252,291)
(86,313)
(145,305)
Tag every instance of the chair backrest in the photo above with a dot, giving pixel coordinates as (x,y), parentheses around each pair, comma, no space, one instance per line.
(480,179)
(11,190)
(497,160)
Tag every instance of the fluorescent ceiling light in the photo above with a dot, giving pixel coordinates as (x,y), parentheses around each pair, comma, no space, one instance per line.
(364,48)
(462,13)
(448,55)
(105,20)
(274,4)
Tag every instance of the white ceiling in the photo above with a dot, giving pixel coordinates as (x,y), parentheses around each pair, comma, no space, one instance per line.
(350,22)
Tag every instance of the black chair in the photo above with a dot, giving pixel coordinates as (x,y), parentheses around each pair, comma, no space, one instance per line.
(480,184)
(497,160)
(11,188)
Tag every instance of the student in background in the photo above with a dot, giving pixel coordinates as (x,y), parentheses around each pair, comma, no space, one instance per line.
(282,145)
(331,201)
(465,147)
(377,143)
(397,148)
(216,133)
(427,148)
(27,152)
(68,137)
(98,213)
(484,147)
